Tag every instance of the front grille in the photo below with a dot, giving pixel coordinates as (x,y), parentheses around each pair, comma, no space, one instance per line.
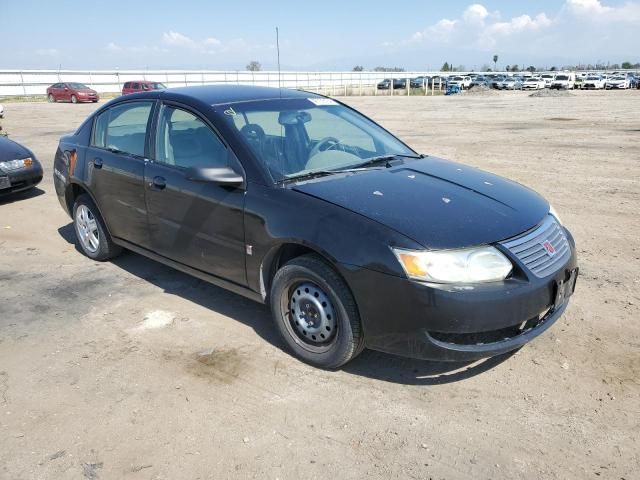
(530,248)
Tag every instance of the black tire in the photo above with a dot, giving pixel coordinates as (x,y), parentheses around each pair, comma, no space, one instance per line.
(347,341)
(74,99)
(106,249)
(51,98)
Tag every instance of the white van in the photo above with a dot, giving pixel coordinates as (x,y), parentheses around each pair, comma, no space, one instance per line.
(564,81)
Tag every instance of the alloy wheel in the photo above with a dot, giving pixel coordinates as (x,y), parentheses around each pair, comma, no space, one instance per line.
(87,228)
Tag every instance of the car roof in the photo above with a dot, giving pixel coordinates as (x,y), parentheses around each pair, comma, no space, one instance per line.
(225,94)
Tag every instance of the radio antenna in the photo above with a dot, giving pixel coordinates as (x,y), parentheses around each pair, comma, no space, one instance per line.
(278,51)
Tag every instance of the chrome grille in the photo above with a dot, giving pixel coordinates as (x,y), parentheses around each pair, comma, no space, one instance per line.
(530,248)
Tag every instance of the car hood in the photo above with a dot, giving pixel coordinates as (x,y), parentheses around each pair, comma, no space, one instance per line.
(10,150)
(437,203)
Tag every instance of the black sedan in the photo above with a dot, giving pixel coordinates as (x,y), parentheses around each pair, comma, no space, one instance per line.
(20,170)
(398,84)
(297,200)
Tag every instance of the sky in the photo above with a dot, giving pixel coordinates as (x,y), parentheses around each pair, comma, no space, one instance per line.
(327,35)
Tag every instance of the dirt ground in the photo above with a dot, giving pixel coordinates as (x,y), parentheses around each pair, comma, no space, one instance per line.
(131,370)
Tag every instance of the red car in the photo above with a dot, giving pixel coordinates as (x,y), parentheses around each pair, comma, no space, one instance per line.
(71,92)
(141,86)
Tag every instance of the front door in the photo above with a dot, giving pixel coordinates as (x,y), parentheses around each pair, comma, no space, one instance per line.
(199,224)
(115,163)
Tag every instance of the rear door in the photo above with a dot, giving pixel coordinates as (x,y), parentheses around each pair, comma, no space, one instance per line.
(65,92)
(115,166)
(199,224)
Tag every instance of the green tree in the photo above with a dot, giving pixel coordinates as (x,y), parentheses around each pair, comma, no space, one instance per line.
(553,69)
(514,68)
(358,68)
(531,68)
(495,62)
(254,66)
(445,67)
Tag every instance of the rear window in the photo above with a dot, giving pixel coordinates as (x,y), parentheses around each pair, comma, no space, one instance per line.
(123,127)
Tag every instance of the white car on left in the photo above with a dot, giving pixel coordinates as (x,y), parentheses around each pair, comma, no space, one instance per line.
(533,83)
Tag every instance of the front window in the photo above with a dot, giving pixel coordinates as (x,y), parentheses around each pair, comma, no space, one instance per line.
(295,137)
(184,141)
(158,86)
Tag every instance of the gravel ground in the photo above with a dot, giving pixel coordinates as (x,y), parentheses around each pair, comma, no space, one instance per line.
(129,369)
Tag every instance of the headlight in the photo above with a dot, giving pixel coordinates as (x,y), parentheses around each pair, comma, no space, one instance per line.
(470,265)
(552,211)
(16,164)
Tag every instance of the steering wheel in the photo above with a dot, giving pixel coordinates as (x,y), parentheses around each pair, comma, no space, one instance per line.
(326,142)
(254,134)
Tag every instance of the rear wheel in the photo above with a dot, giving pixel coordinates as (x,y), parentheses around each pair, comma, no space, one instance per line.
(51,98)
(74,99)
(316,313)
(93,237)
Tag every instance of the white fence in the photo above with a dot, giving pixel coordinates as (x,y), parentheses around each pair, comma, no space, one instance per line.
(35,82)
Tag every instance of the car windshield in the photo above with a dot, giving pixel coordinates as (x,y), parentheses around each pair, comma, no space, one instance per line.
(547,76)
(618,78)
(593,78)
(78,85)
(158,86)
(298,137)
(562,77)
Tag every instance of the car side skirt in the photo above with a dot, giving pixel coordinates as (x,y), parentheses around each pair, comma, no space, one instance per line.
(217,281)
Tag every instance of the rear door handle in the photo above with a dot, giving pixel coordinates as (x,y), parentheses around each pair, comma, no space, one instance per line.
(158,183)
(97,162)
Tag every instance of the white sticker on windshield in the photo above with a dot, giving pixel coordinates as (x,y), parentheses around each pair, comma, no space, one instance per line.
(322,101)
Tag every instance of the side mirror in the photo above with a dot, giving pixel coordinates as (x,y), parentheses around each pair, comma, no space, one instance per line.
(224,176)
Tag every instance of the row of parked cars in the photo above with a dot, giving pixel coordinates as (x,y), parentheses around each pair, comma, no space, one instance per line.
(561,80)
(75,92)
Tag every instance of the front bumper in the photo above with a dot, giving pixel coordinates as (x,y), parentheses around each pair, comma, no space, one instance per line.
(88,98)
(457,323)
(22,179)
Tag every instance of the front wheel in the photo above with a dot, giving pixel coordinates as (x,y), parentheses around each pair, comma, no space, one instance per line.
(316,313)
(74,99)
(51,98)
(93,237)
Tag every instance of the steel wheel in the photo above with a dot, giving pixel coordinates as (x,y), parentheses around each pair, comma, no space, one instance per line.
(88,233)
(311,316)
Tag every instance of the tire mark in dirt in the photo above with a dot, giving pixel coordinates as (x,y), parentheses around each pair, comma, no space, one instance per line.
(4,388)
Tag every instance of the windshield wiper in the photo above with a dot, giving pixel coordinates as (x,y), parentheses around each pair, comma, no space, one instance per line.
(384,159)
(324,173)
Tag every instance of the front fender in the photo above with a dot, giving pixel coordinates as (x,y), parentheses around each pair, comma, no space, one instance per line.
(280,216)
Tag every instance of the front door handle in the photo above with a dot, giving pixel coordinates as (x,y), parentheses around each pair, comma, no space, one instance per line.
(158,183)
(97,162)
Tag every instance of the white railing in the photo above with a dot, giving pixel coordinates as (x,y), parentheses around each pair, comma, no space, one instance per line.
(35,82)
(31,83)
